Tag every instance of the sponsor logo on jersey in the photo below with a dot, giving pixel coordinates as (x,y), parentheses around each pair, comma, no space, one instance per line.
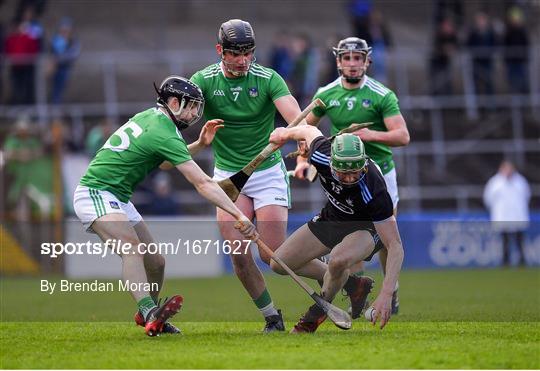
(366,103)
(253,92)
(334,103)
(219,93)
(238,88)
(280,199)
(114,205)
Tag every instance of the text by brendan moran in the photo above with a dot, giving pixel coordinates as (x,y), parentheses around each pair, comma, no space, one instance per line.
(51,287)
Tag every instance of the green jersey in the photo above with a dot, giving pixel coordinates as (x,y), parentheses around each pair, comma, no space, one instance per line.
(246,106)
(371,102)
(134,150)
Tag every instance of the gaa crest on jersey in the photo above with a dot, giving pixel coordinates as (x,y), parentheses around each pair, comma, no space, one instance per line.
(253,92)
(366,103)
(334,103)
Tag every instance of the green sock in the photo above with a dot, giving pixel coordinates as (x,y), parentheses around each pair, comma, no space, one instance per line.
(145,305)
(265,305)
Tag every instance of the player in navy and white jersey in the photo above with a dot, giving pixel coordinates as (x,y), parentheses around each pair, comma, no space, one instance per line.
(356,222)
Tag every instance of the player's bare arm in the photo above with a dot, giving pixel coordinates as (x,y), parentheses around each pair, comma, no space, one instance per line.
(210,190)
(288,108)
(301,161)
(396,136)
(389,234)
(304,132)
(207,135)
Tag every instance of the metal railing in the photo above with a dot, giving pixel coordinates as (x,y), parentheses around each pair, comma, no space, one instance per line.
(404,68)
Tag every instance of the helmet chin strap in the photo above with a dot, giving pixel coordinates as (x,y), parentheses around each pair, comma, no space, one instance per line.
(353,80)
(233,72)
(236,73)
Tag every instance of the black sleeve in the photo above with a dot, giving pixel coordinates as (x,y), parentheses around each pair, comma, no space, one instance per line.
(319,154)
(381,207)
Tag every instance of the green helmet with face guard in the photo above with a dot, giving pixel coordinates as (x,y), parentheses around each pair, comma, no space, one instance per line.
(348,159)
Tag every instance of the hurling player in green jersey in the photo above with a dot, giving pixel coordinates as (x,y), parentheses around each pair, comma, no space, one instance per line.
(246,95)
(354,97)
(101,201)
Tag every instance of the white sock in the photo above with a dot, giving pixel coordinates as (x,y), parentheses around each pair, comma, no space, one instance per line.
(269,310)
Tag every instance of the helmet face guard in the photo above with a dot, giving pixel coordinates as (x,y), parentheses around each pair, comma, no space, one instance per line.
(350,46)
(237,38)
(190,98)
(234,68)
(349,161)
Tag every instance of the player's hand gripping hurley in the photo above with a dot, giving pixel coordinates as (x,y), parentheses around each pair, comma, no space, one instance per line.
(234,184)
(312,172)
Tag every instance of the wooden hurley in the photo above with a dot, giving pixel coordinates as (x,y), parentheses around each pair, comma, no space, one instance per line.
(233,185)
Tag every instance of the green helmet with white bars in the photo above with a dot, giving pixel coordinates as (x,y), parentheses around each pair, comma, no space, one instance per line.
(348,155)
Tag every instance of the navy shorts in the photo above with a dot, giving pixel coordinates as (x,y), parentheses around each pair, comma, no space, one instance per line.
(331,233)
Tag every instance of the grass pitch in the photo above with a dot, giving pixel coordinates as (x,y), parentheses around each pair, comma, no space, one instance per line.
(448,319)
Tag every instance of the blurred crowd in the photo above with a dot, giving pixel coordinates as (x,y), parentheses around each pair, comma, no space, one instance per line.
(483,37)
(304,64)
(24,42)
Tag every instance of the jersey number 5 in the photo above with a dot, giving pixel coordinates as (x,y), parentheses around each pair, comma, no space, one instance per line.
(124,137)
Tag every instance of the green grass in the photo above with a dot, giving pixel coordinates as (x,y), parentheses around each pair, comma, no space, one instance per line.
(448,319)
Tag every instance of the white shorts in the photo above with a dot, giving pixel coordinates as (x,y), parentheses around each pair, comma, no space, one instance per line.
(90,204)
(265,187)
(391,186)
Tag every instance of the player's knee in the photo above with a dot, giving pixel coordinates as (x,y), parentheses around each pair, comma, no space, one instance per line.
(337,265)
(130,248)
(277,268)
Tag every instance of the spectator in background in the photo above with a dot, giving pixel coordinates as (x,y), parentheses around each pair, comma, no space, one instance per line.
(30,172)
(360,11)
(482,40)
(380,41)
(21,52)
(305,73)
(507,196)
(65,49)
(97,136)
(280,56)
(37,5)
(444,50)
(453,9)
(516,43)
(329,71)
(163,201)
(22,48)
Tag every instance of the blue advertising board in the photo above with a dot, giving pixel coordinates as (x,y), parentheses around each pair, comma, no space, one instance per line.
(446,240)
